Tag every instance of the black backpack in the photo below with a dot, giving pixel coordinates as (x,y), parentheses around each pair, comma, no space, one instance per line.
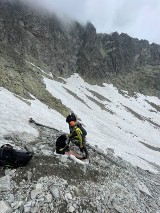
(13,158)
(84,132)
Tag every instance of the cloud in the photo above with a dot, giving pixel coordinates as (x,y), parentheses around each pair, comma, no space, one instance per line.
(137,18)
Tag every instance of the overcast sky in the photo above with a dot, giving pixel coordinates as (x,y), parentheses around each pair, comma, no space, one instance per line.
(138,18)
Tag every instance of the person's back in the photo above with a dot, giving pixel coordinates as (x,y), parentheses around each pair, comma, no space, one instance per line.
(76,133)
(76,136)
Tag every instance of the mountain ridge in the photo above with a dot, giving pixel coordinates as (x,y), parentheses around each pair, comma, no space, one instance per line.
(31,35)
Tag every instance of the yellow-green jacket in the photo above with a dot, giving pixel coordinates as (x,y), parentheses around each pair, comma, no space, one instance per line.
(76,134)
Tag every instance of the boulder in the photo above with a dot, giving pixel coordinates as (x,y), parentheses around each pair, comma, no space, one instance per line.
(5,207)
(5,183)
(71,208)
(49,198)
(143,188)
(55,191)
(35,192)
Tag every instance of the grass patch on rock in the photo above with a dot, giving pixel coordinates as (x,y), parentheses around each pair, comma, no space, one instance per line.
(26,81)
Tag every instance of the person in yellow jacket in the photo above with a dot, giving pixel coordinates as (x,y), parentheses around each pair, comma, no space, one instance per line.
(76,137)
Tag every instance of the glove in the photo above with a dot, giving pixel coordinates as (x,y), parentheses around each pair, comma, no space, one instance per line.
(81,148)
(64,148)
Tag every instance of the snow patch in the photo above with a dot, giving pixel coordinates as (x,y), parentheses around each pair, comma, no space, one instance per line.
(122,130)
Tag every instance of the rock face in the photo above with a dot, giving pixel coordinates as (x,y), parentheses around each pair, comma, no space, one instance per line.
(30,35)
(71,48)
(5,208)
(37,36)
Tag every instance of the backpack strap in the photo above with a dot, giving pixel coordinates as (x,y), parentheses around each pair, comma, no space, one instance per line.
(3,147)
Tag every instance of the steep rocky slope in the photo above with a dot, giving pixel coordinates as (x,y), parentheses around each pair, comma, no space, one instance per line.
(57,184)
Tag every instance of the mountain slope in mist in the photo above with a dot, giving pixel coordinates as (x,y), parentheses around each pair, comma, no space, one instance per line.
(62,48)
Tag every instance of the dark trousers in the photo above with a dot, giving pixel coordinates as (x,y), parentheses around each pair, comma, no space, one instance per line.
(85,151)
(84,147)
(77,143)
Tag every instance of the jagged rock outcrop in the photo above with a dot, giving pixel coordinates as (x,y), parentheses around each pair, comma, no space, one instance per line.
(33,35)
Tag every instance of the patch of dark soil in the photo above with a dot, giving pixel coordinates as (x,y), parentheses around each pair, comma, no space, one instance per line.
(102,106)
(100,97)
(42,166)
(63,207)
(152,122)
(75,96)
(157,167)
(150,147)
(155,106)
(142,118)
(134,113)
(151,110)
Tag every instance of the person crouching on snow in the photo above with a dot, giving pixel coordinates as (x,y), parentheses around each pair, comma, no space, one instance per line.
(76,137)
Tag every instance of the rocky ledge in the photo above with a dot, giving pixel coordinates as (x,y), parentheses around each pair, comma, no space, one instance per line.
(58,184)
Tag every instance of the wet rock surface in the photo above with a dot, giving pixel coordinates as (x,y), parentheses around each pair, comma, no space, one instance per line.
(48,184)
